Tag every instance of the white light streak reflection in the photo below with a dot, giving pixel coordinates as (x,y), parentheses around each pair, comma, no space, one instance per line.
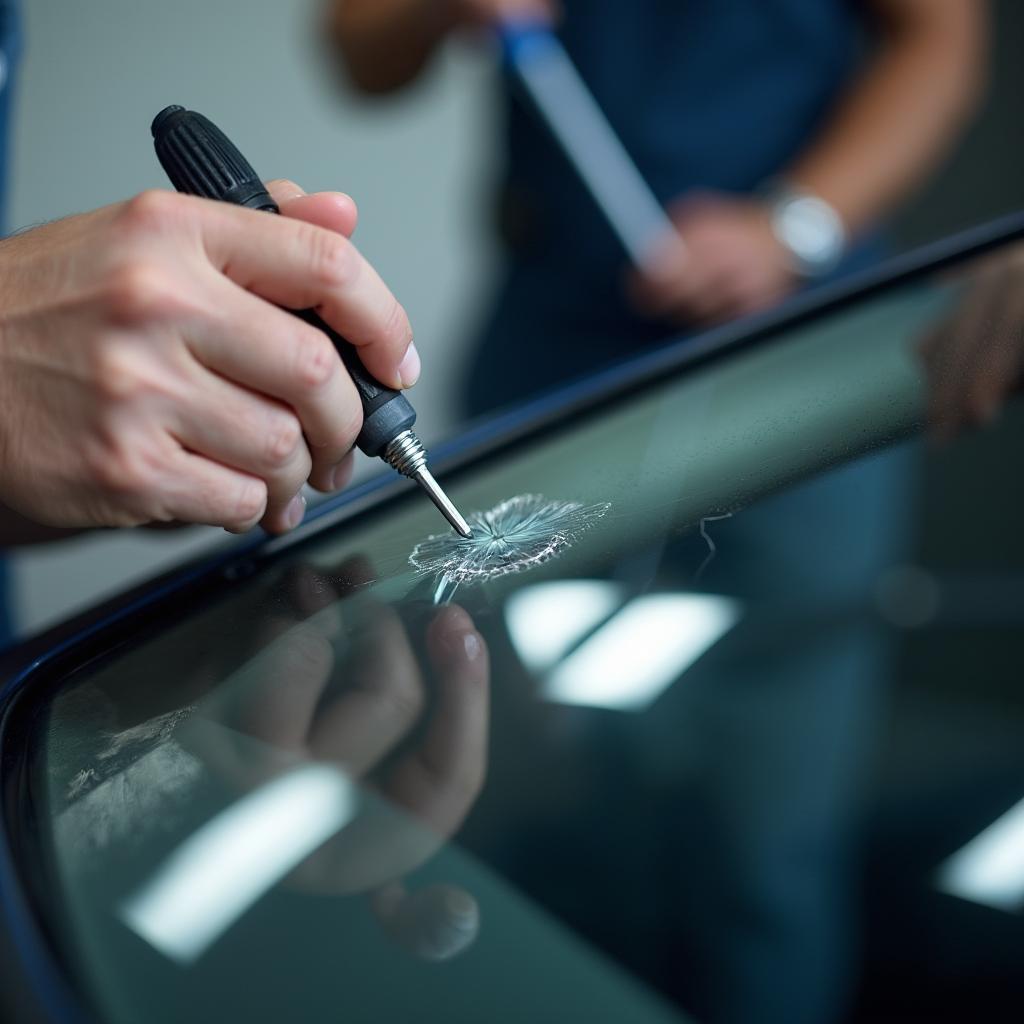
(990,868)
(226,866)
(547,620)
(634,654)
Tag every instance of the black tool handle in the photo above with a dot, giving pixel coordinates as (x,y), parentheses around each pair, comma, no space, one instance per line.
(202,161)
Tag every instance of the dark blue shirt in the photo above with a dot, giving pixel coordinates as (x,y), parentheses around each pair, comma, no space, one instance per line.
(715,94)
(10,40)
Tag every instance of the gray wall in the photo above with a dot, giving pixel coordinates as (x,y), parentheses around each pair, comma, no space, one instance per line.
(97,71)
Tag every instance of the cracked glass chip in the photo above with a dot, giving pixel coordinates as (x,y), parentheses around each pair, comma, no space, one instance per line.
(518,534)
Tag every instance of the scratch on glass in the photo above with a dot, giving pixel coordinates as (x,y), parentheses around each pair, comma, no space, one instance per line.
(514,536)
(712,548)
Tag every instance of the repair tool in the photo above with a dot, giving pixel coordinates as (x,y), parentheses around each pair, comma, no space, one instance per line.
(200,160)
(540,61)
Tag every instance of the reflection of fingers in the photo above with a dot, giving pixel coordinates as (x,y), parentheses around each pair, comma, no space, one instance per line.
(382,701)
(274,697)
(308,590)
(266,706)
(353,573)
(952,354)
(440,779)
(436,923)
(998,369)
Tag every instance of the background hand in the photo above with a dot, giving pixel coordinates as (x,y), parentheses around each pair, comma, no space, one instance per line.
(730,265)
(974,359)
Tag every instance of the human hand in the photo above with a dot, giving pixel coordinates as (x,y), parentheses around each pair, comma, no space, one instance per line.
(974,359)
(730,263)
(419,762)
(147,373)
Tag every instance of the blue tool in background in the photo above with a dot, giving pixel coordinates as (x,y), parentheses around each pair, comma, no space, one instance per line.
(540,62)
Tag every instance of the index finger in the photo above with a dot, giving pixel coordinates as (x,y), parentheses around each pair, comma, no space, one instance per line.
(439,781)
(301,265)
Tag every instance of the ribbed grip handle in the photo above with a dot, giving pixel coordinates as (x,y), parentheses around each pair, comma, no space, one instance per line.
(202,161)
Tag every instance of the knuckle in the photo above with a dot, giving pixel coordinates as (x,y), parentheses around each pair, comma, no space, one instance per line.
(334,259)
(117,373)
(119,472)
(138,293)
(152,210)
(282,439)
(316,361)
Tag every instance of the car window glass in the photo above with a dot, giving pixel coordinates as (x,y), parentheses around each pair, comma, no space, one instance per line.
(293,800)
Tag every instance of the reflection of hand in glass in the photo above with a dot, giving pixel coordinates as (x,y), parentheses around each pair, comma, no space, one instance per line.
(418,753)
(974,359)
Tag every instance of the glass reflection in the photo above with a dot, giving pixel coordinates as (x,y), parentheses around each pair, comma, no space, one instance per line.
(974,356)
(762,841)
(340,757)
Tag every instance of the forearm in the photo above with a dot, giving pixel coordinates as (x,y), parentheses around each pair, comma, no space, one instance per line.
(385,44)
(903,112)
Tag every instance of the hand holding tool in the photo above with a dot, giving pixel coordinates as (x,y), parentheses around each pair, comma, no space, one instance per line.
(200,160)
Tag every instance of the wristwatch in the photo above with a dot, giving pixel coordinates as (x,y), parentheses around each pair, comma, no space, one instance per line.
(808,228)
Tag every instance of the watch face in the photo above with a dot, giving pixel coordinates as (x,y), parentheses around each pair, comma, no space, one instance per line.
(812,232)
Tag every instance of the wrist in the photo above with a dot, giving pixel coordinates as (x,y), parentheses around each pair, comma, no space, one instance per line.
(808,228)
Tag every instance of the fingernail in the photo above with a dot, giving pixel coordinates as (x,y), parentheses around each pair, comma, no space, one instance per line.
(471,645)
(286,189)
(409,368)
(296,511)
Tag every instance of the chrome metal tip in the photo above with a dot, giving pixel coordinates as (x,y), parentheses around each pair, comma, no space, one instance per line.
(444,504)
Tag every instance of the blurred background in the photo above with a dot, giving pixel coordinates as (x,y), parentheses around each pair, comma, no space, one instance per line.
(418,165)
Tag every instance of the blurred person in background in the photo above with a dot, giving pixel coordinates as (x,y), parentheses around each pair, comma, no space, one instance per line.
(734,113)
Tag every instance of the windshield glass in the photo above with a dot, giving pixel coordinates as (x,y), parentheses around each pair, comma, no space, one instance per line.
(667,739)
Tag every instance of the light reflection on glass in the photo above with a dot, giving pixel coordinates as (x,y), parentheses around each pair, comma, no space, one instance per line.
(547,620)
(631,656)
(226,866)
(990,868)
